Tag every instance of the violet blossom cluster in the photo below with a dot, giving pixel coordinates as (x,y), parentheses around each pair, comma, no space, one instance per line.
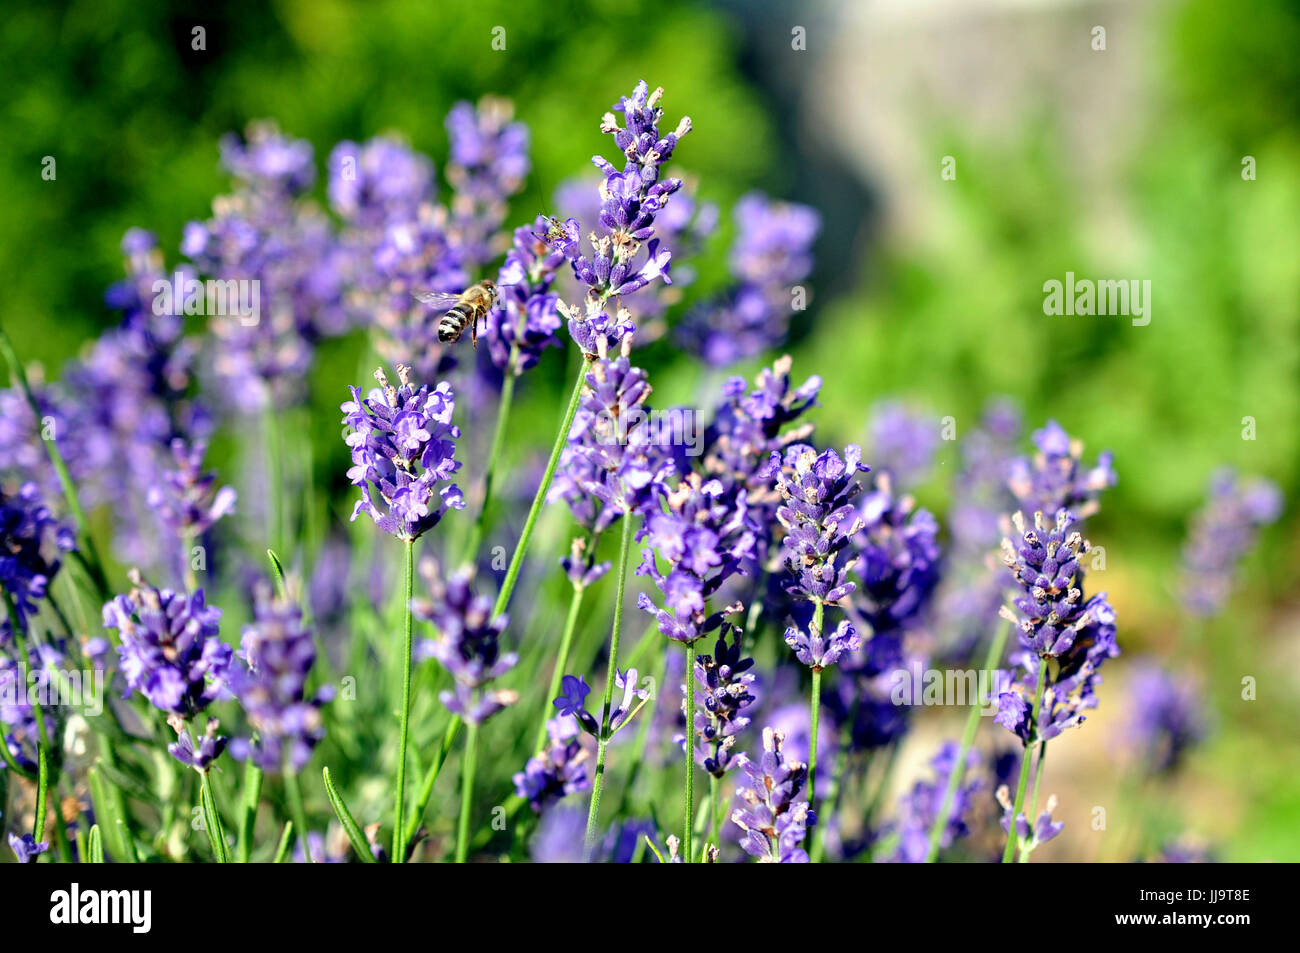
(1056,478)
(32,544)
(467,645)
(276,656)
(1055,620)
(903,442)
(1221,535)
(704,539)
(187,499)
(772,254)
(898,558)
(17,713)
(614,465)
(403,454)
(918,809)
(1168,716)
(723,692)
(488,164)
(558,770)
(773,817)
(171,651)
(527,319)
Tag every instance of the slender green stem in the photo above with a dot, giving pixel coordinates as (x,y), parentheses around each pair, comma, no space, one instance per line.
(561,662)
(689,793)
(1024,766)
(42,792)
(1023,856)
(521,548)
(814,711)
(837,781)
(96,848)
(286,838)
(967,739)
(715,820)
(293,793)
(248,810)
(399,792)
(593,810)
(212,820)
(431,776)
(466,791)
(498,440)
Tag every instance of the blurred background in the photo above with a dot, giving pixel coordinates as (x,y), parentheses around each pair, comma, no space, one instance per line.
(1122,162)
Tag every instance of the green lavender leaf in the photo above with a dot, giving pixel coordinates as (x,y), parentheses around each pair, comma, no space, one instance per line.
(96,845)
(286,838)
(349,823)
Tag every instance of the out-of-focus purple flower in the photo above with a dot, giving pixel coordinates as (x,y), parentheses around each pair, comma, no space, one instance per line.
(614,464)
(1168,716)
(1043,830)
(403,446)
(630,201)
(918,809)
(186,498)
(820,520)
(468,644)
(26,849)
(1056,478)
(560,837)
(903,442)
(723,682)
(819,651)
(898,558)
(981,495)
(559,769)
(773,821)
(1221,534)
(488,164)
(581,566)
(704,538)
(277,652)
(527,320)
(18,676)
(268,161)
(379,181)
(771,254)
(170,648)
(32,542)
(1185,850)
(197,753)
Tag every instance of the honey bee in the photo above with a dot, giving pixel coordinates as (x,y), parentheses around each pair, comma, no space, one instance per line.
(462,310)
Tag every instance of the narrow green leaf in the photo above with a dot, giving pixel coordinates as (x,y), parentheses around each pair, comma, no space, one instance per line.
(96,845)
(359,843)
(278,569)
(286,838)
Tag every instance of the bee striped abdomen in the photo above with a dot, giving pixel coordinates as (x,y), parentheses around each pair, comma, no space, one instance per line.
(453,324)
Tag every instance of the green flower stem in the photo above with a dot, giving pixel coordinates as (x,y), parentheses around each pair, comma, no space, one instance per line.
(431,776)
(399,788)
(967,739)
(1024,765)
(498,439)
(1033,800)
(689,792)
(642,738)
(837,783)
(248,810)
(521,548)
(42,792)
(286,838)
(814,710)
(87,555)
(212,820)
(593,810)
(293,794)
(561,662)
(466,791)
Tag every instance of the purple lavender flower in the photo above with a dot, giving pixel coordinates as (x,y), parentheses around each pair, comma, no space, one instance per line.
(17,713)
(489,162)
(818,514)
(197,755)
(898,558)
(468,644)
(704,539)
(26,849)
(1221,534)
(723,682)
(903,442)
(1055,478)
(981,494)
(187,499)
(918,809)
(630,202)
(278,653)
(773,821)
(527,321)
(170,651)
(31,544)
(1043,830)
(1167,719)
(556,772)
(572,702)
(403,445)
(378,182)
(772,253)
(581,566)
(819,651)
(613,464)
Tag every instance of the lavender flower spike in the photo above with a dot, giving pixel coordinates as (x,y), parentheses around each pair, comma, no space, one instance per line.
(31,541)
(404,450)
(773,821)
(26,849)
(170,650)
(1222,533)
(819,651)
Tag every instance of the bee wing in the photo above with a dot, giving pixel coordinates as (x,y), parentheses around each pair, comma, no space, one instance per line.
(437,300)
